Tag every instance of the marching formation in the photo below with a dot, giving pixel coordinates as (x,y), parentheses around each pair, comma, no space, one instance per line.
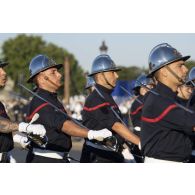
(162,114)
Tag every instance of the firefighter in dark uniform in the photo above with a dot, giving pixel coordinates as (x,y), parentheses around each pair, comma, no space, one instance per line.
(128,158)
(59,127)
(142,84)
(186,96)
(166,127)
(98,114)
(191,79)
(136,108)
(7,127)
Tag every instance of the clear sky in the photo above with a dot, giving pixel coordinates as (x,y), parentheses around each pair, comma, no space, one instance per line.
(125,48)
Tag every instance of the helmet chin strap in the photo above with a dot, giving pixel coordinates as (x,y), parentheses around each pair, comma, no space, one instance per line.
(53,83)
(182,94)
(175,75)
(49,80)
(107,82)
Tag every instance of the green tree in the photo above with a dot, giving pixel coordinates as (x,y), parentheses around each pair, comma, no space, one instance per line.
(77,76)
(130,73)
(190,64)
(20,50)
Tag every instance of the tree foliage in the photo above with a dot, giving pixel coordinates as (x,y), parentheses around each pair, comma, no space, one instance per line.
(20,50)
(190,64)
(130,73)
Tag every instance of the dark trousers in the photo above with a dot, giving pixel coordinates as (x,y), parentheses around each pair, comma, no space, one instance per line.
(92,155)
(31,158)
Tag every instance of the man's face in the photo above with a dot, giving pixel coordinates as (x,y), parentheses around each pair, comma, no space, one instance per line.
(185,91)
(3,77)
(111,77)
(179,69)
(51,78)
(144,90)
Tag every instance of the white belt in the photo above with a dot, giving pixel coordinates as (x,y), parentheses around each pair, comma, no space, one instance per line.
(48,153)
(155,160)
(137,128)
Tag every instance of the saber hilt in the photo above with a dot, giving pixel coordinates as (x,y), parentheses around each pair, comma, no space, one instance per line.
(37,139)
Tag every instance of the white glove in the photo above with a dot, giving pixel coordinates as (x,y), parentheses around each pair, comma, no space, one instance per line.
(21,139)
(35,129)
(99,135)
(128,157)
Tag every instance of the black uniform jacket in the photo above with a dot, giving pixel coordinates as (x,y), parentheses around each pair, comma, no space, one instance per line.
(182,101)
(166,127)
(97,113)
(51,119)
(6,140)
(191,102)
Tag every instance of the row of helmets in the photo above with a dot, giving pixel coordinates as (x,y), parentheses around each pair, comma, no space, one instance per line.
(161,55)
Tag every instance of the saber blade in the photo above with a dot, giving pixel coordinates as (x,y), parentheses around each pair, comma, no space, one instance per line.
(131,95)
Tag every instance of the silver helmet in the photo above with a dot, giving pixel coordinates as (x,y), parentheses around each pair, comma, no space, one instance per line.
(103,63)
(40,63)
(90,82)
(161,55)
(142,80)
(191,77)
